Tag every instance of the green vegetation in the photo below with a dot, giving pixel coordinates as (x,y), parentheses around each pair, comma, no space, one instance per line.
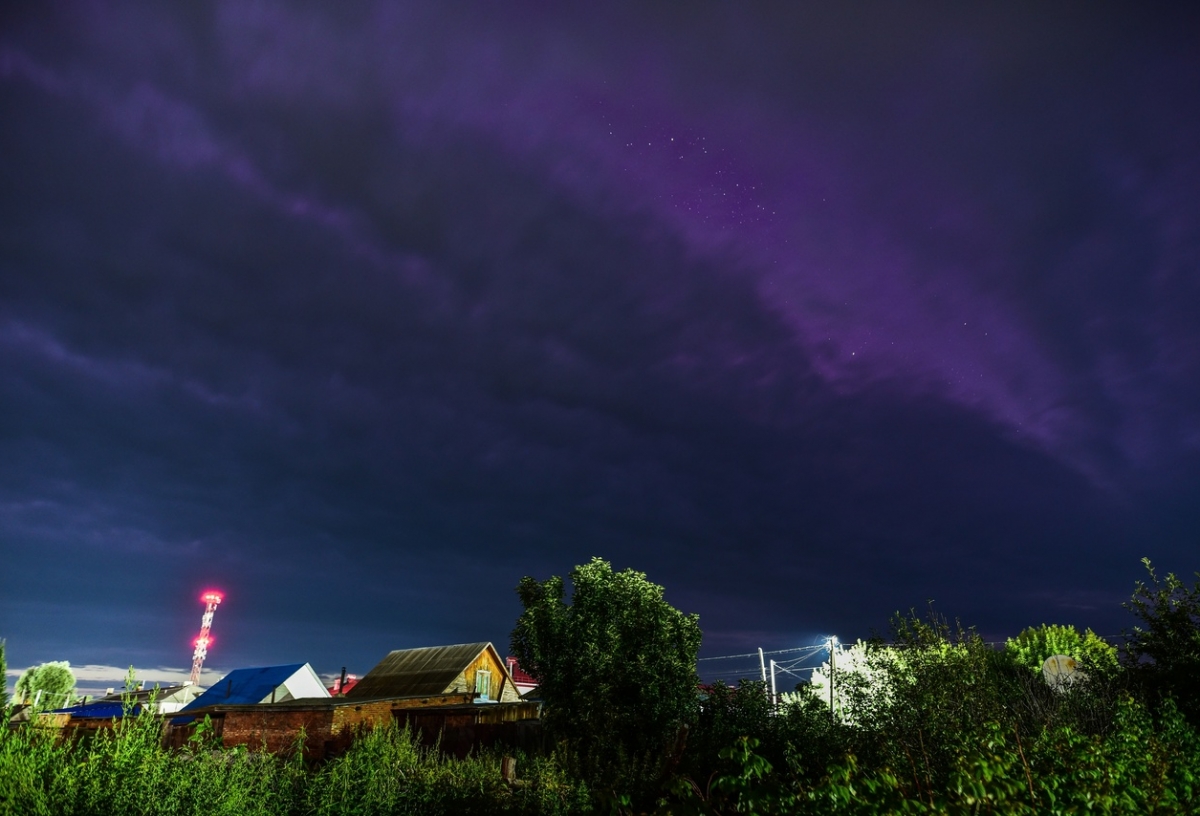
(617,672)
(1165,654)
(49,685)
(126,771)
(951,726)
(1035,644)
(934,721)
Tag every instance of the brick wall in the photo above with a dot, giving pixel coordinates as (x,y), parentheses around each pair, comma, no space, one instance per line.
(276,730)
(330,729)
(364,715)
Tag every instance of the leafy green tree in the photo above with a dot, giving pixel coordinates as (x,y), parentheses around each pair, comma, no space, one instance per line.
(917,703)
(1165,654)
(727,713)
(1033,645)
(616,670)
(797,735)
(54,680)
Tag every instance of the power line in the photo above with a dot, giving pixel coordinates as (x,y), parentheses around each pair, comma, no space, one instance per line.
(824,646)
(790,666)
(773,652)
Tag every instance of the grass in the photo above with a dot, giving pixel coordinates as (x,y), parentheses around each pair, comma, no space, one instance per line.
(126,771)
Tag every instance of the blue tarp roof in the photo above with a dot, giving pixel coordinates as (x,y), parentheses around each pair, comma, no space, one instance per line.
(243,686)
(103,710)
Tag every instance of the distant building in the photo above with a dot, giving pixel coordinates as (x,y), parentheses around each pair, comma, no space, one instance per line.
(99,714)
(264,684)
(338,688)
(523,680)
(460,697)
(160,700)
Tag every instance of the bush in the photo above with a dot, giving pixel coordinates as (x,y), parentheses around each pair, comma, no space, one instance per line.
(387,772)
(1035,644)
(1165,655)
(124,770)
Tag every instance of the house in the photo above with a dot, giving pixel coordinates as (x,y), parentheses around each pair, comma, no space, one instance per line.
(341,687)
(88,717)
(467,668)
(463,690)
(167,700)
(460,729)
(330,725)
(264,684)
(524,681)
(163,700)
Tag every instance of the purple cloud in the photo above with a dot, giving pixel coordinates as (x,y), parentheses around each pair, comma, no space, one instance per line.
(750,295)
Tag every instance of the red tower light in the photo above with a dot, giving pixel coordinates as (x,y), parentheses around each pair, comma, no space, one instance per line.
(210,600)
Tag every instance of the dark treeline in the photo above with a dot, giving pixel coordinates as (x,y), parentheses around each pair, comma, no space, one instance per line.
(934,721)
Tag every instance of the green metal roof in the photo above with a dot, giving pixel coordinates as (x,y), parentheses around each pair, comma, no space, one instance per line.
(416,672)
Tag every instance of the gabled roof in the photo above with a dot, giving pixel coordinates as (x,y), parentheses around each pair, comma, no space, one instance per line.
(417,672)
(244,686)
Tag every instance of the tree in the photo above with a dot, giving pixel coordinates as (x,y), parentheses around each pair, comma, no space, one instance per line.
(54,680)
(1033,645)
(1166,653)
(616,671)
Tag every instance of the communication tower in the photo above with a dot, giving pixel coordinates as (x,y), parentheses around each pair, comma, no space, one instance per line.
(210,600)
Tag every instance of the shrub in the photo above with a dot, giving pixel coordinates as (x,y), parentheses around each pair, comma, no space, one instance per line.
(1165,655)
(1033,645)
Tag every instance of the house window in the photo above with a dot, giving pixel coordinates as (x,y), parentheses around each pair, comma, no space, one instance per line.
(483,683)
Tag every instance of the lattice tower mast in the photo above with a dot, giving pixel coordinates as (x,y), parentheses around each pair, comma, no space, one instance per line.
(210,599)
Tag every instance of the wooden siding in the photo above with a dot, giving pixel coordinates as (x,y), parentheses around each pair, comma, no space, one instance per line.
(488,659)
(458,730)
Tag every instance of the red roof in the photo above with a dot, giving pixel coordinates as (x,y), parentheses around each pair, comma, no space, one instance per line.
(351,682)
(519,675)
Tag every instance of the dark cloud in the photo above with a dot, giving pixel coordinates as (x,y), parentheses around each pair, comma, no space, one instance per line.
(362,315)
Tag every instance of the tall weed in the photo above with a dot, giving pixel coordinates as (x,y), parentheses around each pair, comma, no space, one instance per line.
(124,770)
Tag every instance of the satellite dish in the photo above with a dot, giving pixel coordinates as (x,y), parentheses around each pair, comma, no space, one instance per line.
(1061,672)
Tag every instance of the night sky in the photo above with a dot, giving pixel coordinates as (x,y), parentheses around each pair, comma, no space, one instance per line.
(360,312)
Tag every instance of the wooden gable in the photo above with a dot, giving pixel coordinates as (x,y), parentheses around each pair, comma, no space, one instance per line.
(498,683)
(468,668)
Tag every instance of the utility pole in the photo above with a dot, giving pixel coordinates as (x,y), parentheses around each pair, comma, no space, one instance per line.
(832,672)
(762,667)
(774,698)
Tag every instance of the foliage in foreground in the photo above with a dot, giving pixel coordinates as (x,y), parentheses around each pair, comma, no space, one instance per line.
(1163,651)
(1147,765)
(616,668)
(949,731)
(126,771)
